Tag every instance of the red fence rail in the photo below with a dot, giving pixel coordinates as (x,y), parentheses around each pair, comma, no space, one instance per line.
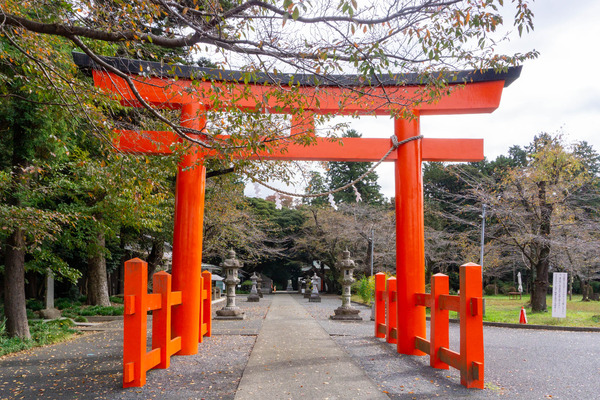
(469,304)
(137,302)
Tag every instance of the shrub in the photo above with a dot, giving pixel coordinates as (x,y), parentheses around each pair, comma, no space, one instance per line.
(506,289)
(490,290)
(101,310)
(366,288)
(246,287)
(35,305)
(52,331)
(63,303)
(42,333)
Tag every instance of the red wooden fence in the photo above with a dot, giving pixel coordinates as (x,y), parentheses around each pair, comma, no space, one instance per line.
(136,359)
(469,304)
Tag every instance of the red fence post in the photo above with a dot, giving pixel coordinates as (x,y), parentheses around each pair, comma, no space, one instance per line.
(439,324)
(380,305)
(161,319)
(392,312)
(471,326)
(206,309)
(134,320)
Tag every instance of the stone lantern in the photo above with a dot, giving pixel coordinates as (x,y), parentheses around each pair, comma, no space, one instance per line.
(259,281)
(231,266)
(308,284)
(289,287)
(346,311)
(314,296)
(253,296)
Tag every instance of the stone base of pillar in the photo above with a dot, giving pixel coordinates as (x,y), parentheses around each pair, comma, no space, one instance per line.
(314,298)
(307,295)
(289,289)
(230,317)
(346,314)
(253,298)
(230,314)
(50,313)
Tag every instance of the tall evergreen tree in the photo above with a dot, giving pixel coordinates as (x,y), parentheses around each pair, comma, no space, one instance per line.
(342,173)
(316,184)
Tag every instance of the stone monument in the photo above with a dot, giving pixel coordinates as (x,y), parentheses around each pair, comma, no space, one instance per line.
(314,296)
(300,285)
(253,296)
(50,312)
(289,288)
(231,266)
(346,311)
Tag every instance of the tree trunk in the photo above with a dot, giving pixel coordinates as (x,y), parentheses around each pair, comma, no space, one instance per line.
(540,284)
(156,256)
(14,287)
(15,307)
(540,290)
(97,277)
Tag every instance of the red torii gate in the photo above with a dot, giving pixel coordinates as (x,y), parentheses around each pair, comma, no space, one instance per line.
(476,92)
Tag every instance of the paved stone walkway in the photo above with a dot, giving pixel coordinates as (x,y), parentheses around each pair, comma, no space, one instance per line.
(294,358)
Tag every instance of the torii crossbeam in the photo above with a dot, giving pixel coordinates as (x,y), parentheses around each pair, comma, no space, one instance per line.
(167,87)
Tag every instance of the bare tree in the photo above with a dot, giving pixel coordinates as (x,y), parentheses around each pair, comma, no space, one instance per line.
(374,41)
(532,202)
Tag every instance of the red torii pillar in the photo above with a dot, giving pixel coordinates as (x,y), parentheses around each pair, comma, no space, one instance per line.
(187,237)
(410,236)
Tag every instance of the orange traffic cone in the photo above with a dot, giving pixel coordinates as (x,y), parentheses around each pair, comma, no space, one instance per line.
(523,316)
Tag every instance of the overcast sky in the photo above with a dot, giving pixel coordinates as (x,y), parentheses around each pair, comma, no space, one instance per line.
(560,90)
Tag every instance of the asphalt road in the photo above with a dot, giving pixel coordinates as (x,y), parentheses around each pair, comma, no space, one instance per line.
(519,364)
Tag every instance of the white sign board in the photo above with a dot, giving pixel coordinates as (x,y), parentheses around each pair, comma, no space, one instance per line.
(559,294)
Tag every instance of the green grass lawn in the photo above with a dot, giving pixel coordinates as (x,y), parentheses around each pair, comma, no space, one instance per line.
(501,309)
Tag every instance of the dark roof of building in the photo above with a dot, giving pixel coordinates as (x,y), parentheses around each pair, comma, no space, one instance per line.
(192,72)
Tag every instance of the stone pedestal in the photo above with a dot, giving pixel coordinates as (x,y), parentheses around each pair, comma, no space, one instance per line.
(289,288)
(50,313)
(231,266)
(346,312)
(253,296)
(314,296)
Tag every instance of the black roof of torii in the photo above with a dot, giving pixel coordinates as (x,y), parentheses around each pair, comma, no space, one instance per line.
(137,67)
